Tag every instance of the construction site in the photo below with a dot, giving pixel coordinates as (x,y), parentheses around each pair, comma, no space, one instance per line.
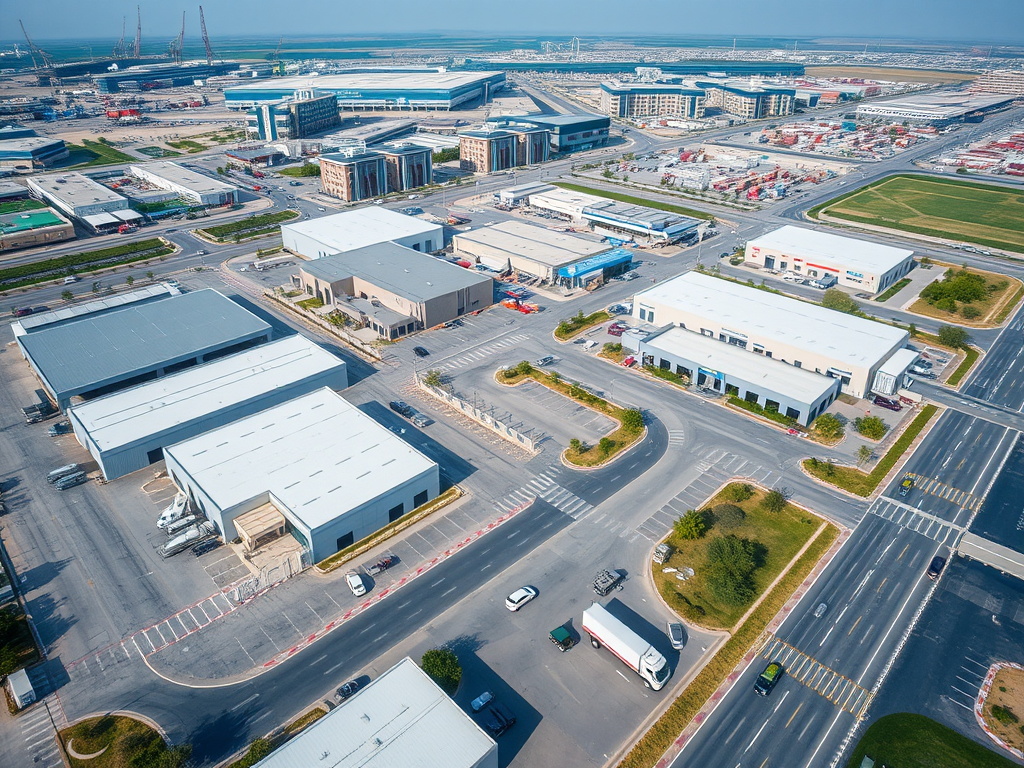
(846,139)
(998,155)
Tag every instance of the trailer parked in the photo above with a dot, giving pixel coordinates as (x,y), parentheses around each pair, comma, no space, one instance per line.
(631,649)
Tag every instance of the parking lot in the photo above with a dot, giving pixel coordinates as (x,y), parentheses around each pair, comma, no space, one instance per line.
(563,419)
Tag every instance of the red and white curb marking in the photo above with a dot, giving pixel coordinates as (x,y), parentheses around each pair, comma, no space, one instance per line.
(979,704)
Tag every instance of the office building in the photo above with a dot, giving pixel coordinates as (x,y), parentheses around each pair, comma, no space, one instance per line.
(749,101)
(305,114)
(362,175)
(860,264)
(566,133)
(1004,81)
(492,150)
(128,430)
(799,333)
(334,474)
(651,100)
(395,290)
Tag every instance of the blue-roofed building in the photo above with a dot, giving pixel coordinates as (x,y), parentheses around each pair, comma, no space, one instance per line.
(600,267)
(383,89)
(98,354)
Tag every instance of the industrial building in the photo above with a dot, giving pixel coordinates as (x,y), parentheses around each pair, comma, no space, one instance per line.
(526,248)
(76,195)
(331,472)
(306,113)
(189,185)
(359,228)
(799,333)
(26,229)
(498,149)
(128,430)
(1005,81)
(10,190)
(937,109)
(364,175)
(94,355)
(566,133)
(860,264)
(378,89)
(724,368)
(400,719)
(395,290)
(147,77)
(29,153)
(63,315)
(651,100)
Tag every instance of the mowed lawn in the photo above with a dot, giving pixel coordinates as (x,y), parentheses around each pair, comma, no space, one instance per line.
(947,208)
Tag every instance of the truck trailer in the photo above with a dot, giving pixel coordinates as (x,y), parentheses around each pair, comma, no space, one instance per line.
(631,649)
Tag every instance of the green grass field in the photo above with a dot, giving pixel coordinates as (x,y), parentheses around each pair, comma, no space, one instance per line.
(948,208)
(915,741)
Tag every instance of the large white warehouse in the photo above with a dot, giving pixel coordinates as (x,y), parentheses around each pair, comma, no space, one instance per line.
(359,228)
(860,264)
(802,334)
(335,474)
(128,430)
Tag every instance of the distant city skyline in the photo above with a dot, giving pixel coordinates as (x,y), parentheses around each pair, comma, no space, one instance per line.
(995,21)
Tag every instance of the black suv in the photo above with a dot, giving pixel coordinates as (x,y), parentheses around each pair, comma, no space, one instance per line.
(499,718)
(938,563)
(400,407)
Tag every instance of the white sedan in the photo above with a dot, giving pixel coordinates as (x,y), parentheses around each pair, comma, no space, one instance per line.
(519,598)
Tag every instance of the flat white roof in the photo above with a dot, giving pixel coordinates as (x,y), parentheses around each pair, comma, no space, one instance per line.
(185,177)
(400,719)
(565,198)
(124,417)
(844,338)
(901,360)
(98,305)
(836,251)
(799,383)
(75,189)
(318,454)
(361,227)
(369,81)
(544,246)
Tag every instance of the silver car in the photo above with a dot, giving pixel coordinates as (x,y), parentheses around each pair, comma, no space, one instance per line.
(677,635)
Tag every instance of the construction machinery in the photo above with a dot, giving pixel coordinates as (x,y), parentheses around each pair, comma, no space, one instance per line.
(206,37)
(34,51)
(174,48)
(137,45)
(120,51)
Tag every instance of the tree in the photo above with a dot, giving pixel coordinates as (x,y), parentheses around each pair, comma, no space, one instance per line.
(690,526)
(96,286)
(8,626)
(605,445)
(633,420)
(775,500)
(433,378)
(67,295)
(912,330)
(129,280)
(576,445)
(442,665)
(729,516)
(220,170)
(871,427)
(864,454)
(729,573)
(524,368)
(150,275)
(829,426)
(739,491)
(954,337)
(969,312)
(839,301)
(8,660)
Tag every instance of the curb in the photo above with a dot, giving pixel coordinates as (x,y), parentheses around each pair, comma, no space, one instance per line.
(979,705)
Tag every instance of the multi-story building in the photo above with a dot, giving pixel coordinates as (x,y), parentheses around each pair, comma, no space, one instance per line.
(487,151)
(567,133)
(408,167)
(1003,81)
(307,113)
(354,177)
(648,100)
(750,102)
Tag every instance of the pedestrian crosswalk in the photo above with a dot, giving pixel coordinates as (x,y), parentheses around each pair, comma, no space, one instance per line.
(809,672)
(934,487)
(480,353)
(545,486)
(38,734)
(715,467)
(676,437)
(942,531)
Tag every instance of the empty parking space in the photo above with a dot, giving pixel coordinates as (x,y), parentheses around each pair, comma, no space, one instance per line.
(563,418)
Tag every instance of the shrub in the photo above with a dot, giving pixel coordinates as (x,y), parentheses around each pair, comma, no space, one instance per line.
(434,378)
(775,500)
(946,305)
(612,348)
(259,749)
(839,301)
(690,526)
(67,295)
(864,454)
(739,491)
(633,420)
(871,427)
(730,570)
(729,516)
(969,312)
(1004,715)
(951,336)
(8,660)
(442,665)
(576,445)
(956,285)
(829,426)
(605,445)
(524,368)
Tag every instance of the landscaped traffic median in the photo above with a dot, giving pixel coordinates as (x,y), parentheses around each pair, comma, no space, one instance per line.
(855,481)
(86,261)
(259,225)
(631,427)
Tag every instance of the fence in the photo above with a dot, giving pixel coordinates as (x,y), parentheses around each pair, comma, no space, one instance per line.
(481,417)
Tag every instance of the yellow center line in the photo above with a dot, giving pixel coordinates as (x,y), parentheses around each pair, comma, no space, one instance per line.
(764,763)
(881,585)
(856,622)
(792,716)
(900,557)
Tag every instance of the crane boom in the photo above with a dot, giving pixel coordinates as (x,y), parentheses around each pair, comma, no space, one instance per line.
(138,35)
(206,37)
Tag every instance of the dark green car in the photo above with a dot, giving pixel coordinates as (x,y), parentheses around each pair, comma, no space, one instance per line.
(560,636)
(768,679)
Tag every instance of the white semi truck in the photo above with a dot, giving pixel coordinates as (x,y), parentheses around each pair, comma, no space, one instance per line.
(631,649)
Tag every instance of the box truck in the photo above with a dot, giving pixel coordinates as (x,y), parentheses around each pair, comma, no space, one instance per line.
(631,649)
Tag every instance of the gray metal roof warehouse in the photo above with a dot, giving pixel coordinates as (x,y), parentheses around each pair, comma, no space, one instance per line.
(94,356)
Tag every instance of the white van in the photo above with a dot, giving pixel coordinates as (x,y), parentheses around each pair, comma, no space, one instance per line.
(71,280)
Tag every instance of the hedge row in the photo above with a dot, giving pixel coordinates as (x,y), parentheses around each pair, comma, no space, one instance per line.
(39,271)
(253,222)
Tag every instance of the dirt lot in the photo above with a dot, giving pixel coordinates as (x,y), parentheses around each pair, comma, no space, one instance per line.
(1006,697)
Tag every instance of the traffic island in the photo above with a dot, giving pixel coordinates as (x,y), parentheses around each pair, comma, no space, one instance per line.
(115,740)
(999,706)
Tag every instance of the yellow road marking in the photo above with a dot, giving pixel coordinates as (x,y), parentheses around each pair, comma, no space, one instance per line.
(858,619)
(792,716)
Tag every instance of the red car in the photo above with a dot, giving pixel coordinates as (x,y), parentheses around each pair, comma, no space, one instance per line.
(628,361)
(883,402)
(617,329)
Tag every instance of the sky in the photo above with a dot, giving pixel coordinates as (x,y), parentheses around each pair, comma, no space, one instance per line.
(997,21)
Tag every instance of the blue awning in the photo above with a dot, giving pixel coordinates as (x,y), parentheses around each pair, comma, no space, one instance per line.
(602,261)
